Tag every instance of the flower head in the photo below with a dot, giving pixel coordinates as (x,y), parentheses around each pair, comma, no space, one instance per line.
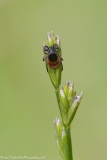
(69,102)
(53,59)
(61,137)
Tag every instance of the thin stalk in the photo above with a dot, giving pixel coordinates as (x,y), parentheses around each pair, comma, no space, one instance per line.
(69,155)
(57,96)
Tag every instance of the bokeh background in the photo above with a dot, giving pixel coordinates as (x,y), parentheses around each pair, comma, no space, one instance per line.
(28,104)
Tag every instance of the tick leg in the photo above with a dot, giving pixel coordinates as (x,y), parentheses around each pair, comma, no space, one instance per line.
(46,67)
(62,66)
(44,58)
(56,48)
(60,57)
(46,50)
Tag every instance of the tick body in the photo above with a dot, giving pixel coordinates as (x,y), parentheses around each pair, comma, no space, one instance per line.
(52,58)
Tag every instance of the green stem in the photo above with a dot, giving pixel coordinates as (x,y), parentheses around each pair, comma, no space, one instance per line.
(57,96)
(69,155)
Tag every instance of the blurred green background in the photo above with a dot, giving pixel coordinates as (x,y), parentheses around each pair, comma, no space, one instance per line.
(28,104)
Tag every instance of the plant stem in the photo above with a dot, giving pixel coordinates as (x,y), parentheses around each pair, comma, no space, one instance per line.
(57,96)
(69,155)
